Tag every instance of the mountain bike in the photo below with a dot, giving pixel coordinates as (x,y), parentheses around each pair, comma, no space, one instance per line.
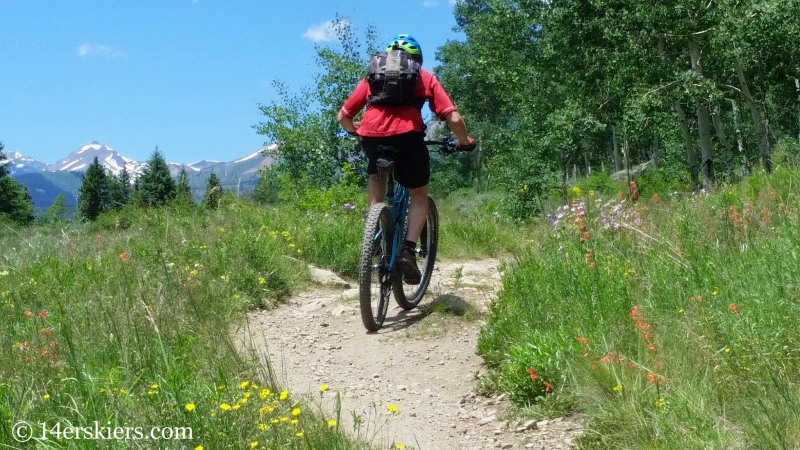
(379,274)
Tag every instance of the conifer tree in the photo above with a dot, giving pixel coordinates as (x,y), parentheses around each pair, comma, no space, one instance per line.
(184,191)
(125,179)
(155,186)
(213,192)
(93,191)
(115,192)
(15,200)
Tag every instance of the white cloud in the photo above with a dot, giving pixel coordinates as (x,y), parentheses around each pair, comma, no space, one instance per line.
(106,51)
(429,3)
(325,31)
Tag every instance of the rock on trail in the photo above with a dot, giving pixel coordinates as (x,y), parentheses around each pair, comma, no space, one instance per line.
(422,363)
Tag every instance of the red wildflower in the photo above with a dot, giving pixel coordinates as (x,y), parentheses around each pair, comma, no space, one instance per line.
(652,378)
(656,199)
(44,352)
(43,314)
(28,314)
(582,340)
(634,191)
(634,312)
(533,374)
(734,309)
(47,330)
(547,386)
(123,257)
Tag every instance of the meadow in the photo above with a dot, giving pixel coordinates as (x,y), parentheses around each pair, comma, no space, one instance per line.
(669,322)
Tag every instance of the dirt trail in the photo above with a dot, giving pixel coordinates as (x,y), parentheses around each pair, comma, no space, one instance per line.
(423,362)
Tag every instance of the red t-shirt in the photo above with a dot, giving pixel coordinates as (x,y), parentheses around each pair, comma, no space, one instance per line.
(390,120)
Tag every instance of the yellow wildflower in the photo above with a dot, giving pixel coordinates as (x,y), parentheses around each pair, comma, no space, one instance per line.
(261,280)
(295,421)
(332,423)
(244,384)
(323,387)
(284,395)
(225,407)
(254,444)
(199,447)
(264,393)
(46,396)
(393,409)
(299,434)
(190,407)
(296,412)
(285,234)
(262,426)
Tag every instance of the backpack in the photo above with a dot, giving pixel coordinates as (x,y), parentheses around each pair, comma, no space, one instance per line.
(392,77)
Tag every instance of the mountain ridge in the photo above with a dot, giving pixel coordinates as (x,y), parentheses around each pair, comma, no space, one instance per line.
(46,181)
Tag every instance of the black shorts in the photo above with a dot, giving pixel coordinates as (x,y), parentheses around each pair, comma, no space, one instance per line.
(413,160)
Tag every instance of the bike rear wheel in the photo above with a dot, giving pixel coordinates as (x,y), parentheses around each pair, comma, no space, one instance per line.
(374,280)
(408,296)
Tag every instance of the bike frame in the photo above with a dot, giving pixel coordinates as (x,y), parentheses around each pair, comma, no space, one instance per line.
(398,206)
(397,198)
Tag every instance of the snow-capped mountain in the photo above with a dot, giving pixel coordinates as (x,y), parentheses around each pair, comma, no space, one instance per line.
(200,165)
(45,181)
(16,162)
(79,160)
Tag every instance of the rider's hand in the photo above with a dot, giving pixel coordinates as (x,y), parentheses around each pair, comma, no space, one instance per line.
(467,148)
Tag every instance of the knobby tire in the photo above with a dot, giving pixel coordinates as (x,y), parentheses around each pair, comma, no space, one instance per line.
(373,284)
(408,296)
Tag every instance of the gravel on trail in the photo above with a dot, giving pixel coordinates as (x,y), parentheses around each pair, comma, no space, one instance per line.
(414,381)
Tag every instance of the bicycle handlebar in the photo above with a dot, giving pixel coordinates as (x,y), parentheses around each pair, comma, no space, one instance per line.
(447,147)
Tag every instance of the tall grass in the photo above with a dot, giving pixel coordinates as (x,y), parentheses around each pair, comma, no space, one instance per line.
(132,328)
(671,322)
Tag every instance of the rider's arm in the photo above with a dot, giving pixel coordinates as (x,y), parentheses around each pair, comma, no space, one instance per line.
(354,104)
(347,122)
(457,126)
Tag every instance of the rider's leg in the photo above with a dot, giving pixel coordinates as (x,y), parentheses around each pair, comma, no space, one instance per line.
(417,212)
(376,189)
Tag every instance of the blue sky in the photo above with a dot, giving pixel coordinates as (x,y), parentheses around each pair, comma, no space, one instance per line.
(184,75)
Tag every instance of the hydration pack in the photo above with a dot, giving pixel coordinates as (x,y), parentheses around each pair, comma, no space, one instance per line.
(392,77)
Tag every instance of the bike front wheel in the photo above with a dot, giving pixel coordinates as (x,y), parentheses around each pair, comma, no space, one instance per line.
(374,280)
(408,296)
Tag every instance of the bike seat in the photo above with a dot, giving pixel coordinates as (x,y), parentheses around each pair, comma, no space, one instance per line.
(386,158)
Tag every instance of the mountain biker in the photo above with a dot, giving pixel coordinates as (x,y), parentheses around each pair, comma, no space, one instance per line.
(401,125)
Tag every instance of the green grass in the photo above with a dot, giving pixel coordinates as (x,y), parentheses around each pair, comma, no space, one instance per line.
(675,330)
(129,326)
(129,319)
